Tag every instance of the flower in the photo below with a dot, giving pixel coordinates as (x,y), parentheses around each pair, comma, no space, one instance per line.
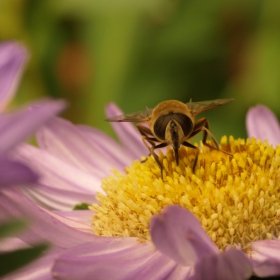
(15,127)
(261,123)
(235,199)
(12,61)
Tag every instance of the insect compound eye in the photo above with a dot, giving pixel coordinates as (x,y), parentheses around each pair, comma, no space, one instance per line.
(160,126)
(183,120)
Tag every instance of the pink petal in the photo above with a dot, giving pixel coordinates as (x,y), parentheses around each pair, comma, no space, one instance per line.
(268,248)
(57,199)
(262,124)
(179,235)
(71,144)
(55,172)
(109,147)
(108,259)
(181,272)
(230,265)
(16,127)
(12,173)
(74,220)
(13,57)
(127,133)
(44,224)
(82,216)
(61,185)
(159,266)
(11,243)
(266,257)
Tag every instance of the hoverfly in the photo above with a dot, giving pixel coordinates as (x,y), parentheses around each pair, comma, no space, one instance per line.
(172,123)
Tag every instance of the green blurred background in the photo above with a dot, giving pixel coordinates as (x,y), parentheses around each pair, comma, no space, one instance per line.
(137,53)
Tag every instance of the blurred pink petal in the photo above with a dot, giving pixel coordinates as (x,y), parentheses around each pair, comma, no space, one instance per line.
(13,57)
(230,265)
(15,127)
(10,243)
(12,173)
(262,124)
(179,235)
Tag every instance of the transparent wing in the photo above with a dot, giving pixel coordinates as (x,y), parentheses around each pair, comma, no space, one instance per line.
(141,116)
(199,107)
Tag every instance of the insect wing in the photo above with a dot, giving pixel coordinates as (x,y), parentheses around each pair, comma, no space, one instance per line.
(141,116)
(199,107)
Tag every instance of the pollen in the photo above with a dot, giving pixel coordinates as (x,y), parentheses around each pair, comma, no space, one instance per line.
(236,198)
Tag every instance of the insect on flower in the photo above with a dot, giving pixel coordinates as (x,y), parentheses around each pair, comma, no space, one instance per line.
(172,123)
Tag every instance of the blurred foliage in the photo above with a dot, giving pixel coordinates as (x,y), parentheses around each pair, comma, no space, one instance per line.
(138,53)
(11,227)
(13,260)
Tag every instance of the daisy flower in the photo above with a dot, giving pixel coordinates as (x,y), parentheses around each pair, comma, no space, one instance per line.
(15,127)
(220,223)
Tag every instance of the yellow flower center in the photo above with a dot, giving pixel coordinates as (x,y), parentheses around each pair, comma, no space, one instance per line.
(236,199)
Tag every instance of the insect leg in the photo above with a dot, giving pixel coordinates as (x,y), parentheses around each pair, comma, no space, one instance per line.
(152,152)
(203,125)
(161,145)
(151,140)
(145,132)
(187,144)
